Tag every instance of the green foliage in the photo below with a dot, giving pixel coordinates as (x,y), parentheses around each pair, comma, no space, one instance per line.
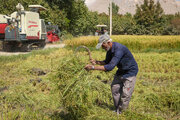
(146,21)
(77,19)
(82,21)
(103,19)
(123,24)
(150,16)
(9,6)
(172,27)
(73,17)
(115,9)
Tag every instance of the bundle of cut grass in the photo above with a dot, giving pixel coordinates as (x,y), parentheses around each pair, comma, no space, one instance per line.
(79,89)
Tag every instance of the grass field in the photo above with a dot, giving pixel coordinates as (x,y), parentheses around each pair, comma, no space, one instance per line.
(52,83)
(135,43)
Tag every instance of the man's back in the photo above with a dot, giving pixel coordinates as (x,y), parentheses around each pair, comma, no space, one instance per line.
(121,57)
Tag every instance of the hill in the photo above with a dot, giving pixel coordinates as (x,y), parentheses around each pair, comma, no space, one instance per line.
(169,6)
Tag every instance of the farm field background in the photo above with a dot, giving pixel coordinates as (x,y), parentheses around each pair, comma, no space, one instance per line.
(52,83)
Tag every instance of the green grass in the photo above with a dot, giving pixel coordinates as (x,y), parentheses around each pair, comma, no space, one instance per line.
(6,59)
(68,92)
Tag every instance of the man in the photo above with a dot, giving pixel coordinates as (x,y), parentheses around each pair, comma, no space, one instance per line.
(118,55)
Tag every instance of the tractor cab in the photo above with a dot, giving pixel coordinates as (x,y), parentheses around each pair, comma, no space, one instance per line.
(101,29)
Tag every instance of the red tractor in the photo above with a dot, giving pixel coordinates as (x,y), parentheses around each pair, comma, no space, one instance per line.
(52,33)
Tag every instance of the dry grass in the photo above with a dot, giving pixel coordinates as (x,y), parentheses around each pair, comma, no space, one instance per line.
(132,42)
(69,92)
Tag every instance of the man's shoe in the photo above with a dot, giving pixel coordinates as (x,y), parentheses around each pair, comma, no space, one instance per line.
(117,111)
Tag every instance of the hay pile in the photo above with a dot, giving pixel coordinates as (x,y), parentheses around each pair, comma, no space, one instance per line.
(79,90)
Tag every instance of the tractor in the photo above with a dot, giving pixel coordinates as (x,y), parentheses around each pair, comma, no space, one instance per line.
(101,29)
(52,33)
(23,30)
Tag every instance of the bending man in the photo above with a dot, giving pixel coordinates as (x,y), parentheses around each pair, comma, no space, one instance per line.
(118,55)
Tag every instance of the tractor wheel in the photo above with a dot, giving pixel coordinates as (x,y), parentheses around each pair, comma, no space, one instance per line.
(7,47)
(24,47)
(42,44)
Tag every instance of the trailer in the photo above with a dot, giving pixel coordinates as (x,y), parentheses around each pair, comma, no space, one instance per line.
(52,33)
(23,30)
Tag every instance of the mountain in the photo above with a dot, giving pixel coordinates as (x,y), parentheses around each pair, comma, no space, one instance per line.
(169,6)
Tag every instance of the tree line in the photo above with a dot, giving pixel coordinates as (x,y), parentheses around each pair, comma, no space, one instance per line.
(74,18)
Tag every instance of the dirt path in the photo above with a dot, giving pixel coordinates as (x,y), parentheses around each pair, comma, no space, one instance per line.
(17,53)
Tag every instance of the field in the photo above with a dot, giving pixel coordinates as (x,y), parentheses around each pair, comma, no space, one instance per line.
(52,83)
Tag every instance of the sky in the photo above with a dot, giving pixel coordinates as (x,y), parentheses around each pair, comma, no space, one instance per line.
(88,2)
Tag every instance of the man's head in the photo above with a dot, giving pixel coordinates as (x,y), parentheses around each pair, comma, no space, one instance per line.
(105,42)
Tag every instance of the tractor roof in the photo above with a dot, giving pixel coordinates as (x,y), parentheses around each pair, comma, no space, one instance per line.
(101,25)
(38,7)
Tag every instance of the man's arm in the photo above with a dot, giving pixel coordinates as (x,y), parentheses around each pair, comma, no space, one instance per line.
(94,62)
(92,67)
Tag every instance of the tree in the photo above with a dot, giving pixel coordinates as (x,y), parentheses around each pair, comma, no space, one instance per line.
(80,18)
(123,24)
(173,26)
(151,17)
(115,9)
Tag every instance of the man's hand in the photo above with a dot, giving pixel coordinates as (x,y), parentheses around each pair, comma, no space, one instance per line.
(92,67)
(89,67)
(93,61)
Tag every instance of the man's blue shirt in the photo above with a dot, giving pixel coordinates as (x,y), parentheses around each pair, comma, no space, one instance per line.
(121,57)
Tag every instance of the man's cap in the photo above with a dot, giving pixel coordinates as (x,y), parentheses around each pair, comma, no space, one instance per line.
(103,38)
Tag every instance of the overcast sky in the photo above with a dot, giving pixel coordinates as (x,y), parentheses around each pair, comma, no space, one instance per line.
(88,2)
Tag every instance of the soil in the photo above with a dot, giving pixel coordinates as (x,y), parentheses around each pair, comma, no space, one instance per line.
(2,53)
